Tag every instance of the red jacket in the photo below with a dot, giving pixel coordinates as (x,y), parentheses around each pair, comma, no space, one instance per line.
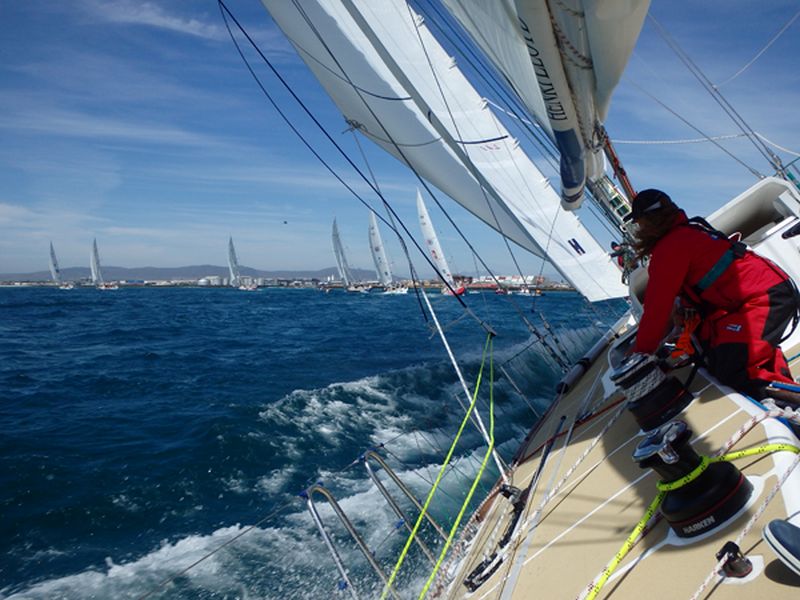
(679,261)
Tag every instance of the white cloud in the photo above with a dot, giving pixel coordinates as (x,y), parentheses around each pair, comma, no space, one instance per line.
(153,15)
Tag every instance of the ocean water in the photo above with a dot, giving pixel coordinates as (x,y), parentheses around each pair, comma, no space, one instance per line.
(144,430)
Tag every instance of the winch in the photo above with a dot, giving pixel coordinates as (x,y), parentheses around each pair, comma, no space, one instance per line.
(653,396)
(701,495)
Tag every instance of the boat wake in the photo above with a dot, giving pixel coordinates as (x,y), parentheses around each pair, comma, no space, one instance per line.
(317,436)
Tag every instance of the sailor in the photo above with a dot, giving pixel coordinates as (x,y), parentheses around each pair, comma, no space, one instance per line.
(745,301)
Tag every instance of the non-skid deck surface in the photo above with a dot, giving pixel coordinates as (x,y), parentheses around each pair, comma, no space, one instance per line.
(587,522)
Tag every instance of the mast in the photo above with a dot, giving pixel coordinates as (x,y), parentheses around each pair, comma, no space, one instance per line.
(432,241)
(378,252)
(97,275)
(233,264)
(55,272)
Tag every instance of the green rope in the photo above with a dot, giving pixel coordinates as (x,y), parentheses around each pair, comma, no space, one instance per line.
(663,488)
(486,456)
(487,348)
(596,586)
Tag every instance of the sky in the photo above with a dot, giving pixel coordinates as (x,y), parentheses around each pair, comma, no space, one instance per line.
(137,123)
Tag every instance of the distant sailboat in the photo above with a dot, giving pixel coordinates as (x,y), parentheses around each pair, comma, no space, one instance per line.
(432,242)
(56,272)
(341,263)
(97,275)
(233,268)
(382,268)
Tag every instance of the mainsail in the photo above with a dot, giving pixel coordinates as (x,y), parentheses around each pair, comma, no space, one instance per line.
(401,89)
(341,261)
(97,275)
(432,242)
(378,252)
(233,264)
(55,272)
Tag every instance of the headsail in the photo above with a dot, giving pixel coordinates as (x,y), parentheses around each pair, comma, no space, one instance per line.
(55,272)
(432,242)
(97,275)
(396,85)
(341,261)
(233,264)
(563,60)
(378,252)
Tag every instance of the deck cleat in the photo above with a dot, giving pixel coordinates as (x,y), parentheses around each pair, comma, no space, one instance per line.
(737,564)
(653,396)
(700,495)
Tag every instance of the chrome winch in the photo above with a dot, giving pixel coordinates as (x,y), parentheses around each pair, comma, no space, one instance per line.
(653,396)
(701,495)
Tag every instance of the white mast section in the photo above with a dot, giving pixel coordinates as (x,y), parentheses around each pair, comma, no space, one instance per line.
(233,264)
(432,242)
(97,276)
(378,252)
(341,261)
(55,272)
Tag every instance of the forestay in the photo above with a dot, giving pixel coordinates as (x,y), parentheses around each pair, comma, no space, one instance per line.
(396,85)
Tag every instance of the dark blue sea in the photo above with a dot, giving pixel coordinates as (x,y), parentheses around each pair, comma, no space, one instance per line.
(141,430)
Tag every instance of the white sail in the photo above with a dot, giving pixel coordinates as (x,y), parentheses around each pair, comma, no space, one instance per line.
(432,242)
(378,252)
(563,60)
(429,116)
(55,272)
(233,264)
(97,275)
(341,260)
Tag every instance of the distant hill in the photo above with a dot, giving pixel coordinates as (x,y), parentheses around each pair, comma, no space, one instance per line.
(175,273)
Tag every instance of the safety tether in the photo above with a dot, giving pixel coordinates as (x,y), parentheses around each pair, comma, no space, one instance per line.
(487,350)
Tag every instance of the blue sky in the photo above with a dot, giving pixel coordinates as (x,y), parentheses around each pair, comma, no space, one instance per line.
(137,123)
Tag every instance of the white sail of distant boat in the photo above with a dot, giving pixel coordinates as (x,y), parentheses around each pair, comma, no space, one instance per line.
(434,248)
(382,268)
(233,264)
(420,108)
(341,261)
(55,272)
(97,275)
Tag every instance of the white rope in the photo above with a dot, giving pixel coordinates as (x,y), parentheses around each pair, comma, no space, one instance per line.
(777,413)
(757,56)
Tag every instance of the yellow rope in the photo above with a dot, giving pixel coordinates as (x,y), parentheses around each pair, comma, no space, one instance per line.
(486,456)
(663,488)
(446,462)
(779,447)
(626,547)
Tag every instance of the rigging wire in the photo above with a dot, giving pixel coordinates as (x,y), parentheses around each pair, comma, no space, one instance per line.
(738,120)
(657,100)
(224,9)
(758,55)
